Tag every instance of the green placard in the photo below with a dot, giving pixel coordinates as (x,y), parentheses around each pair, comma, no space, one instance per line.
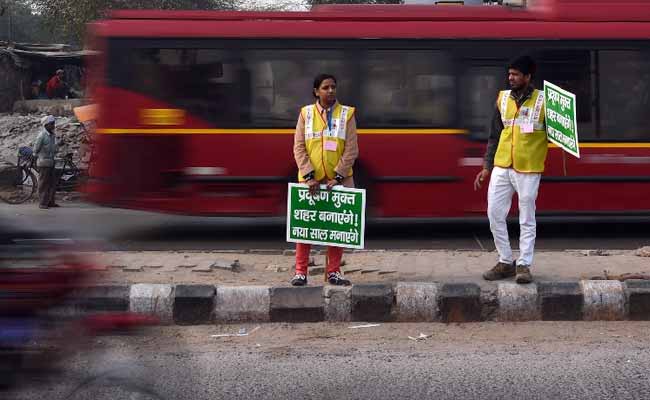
(330,218)
(561,122)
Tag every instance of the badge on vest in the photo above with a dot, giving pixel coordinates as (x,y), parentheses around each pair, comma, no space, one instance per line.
(331,145)
(524,112)
(526,127)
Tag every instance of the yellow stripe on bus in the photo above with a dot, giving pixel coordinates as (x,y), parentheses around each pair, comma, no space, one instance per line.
(168,131)
(183,131)
(411,131)
(608,145)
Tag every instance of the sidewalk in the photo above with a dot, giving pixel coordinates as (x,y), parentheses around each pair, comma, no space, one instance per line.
(275,267)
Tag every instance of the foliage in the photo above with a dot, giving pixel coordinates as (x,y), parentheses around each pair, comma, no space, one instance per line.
(71,16)
(316,2)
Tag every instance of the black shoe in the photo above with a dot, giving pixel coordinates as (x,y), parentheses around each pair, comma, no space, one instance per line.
(299,280)
(53,205)
(43,207)
(336,278)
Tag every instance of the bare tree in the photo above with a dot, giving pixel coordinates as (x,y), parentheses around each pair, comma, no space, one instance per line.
(316,2)
(70,16)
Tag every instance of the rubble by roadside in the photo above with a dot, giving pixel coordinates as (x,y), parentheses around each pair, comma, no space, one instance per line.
(18,130)
(643,251)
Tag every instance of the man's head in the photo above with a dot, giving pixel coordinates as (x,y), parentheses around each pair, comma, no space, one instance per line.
(60,73)
(520,72)
(48,123)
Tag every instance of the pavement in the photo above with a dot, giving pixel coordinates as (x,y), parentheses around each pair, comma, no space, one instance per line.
(252,283)
(275,267)
(534,360)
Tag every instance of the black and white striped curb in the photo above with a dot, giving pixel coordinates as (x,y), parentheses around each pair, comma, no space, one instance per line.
(587,300)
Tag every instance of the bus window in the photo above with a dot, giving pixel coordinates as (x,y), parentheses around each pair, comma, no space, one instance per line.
(479,88)
(624,94)
(401,88)
(281,82)
(206,82)
(571,69)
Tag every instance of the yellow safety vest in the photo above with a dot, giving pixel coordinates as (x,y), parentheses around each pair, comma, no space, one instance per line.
(523,144)
(325,145)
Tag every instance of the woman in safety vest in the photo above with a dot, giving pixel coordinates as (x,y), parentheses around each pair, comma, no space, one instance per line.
(325,148)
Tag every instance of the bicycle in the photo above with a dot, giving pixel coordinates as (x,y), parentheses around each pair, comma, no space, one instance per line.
(70,177)
(18,182)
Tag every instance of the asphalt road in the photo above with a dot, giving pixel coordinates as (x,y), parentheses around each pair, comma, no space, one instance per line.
(118,229)
(597,360)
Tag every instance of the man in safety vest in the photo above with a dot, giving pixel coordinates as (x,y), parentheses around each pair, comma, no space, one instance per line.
(325,148)
(515,157)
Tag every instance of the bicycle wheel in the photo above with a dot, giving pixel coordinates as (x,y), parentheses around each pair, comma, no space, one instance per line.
(20,187)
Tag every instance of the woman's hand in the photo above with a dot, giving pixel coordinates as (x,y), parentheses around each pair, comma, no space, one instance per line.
(314,186)
(331,183)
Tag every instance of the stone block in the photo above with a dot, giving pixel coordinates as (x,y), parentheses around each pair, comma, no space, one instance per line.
(518,302)
(603,300)
(460,302)
(638,298)
(297,304)
(242,303)
(372,302)
(194,304)
(561,301)
(113,298)
(153,299)
(338,306)
(417,302)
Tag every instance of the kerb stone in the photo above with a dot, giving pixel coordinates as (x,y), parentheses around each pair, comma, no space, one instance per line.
(114,298)
(242,303)
(193,304)
(638,298)
(460,302)
(603,300)
(518,302)
(338,303)
(371,302)
(297,304)
(561,301)
(153,299)
(417,302)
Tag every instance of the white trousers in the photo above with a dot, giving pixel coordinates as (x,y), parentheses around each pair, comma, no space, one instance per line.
(504,182)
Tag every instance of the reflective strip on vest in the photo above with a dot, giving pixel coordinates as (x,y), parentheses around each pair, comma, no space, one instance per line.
(538,107)
(309,124)
(538,126)
(339,125)
(504,107)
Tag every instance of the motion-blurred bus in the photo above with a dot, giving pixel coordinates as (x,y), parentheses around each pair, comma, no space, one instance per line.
(198,109)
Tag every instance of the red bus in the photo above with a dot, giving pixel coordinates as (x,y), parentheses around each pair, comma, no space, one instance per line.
(198,109)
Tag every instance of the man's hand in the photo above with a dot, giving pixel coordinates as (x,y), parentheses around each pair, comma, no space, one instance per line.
(480,177)
(331,183)
(314,186)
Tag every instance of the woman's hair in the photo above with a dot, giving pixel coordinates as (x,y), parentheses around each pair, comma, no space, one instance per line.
(319,79)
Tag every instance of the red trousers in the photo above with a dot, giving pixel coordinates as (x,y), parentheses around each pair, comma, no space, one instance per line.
(334,256)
